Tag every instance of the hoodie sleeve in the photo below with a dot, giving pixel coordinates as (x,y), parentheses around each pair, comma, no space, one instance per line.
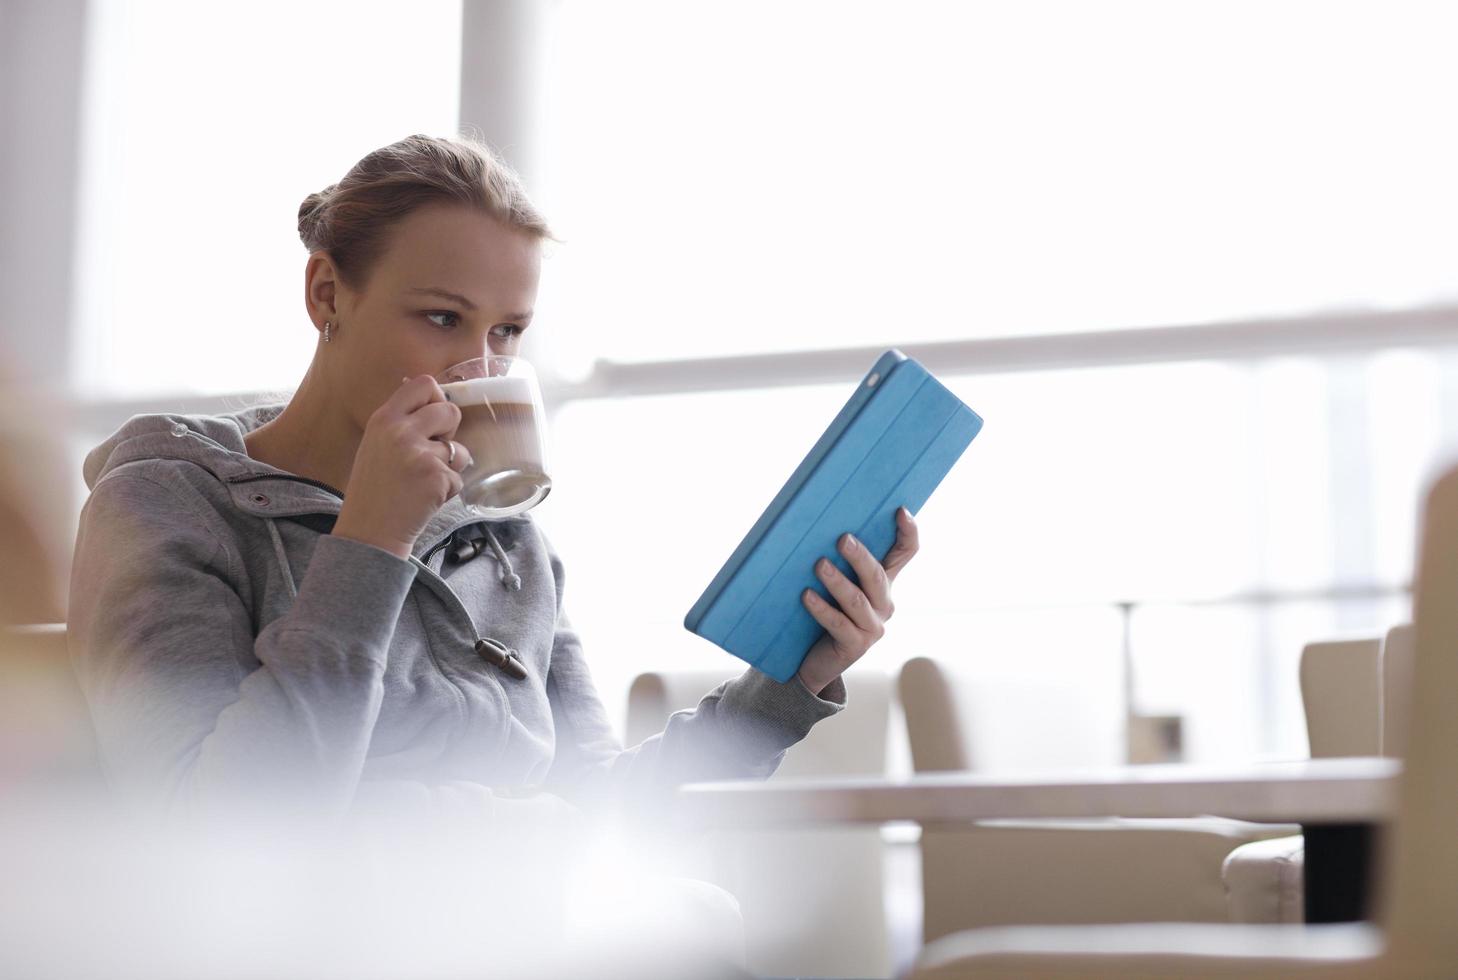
(739,730)
(194,715)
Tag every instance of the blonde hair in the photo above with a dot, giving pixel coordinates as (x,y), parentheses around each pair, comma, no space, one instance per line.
(352,219)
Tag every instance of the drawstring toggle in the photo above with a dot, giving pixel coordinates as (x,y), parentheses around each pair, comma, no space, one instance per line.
(499,655)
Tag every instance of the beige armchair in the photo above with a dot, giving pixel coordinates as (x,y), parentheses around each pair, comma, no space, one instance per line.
(1413,934)
(1001,872)
(1341,695)
(1399,653)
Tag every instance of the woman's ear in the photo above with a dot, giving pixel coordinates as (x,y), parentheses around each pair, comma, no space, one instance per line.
(321,288)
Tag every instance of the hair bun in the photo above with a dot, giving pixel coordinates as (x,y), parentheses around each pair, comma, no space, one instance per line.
(309,215)
(315,200)
(354,219)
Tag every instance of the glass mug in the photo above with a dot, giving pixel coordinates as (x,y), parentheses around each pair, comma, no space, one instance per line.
(503,425)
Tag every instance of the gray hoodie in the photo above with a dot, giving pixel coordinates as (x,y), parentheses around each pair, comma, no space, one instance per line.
(234,652)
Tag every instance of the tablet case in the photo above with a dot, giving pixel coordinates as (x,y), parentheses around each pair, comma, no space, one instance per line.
(890,446)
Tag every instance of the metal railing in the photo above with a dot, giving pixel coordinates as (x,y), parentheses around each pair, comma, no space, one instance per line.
(1244,340)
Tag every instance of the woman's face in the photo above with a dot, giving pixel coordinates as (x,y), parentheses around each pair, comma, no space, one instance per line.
(452,284)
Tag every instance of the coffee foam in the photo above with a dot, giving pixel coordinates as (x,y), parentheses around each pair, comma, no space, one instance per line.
(484,391)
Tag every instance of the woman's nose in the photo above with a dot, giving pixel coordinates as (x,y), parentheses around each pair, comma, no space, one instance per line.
(471,350)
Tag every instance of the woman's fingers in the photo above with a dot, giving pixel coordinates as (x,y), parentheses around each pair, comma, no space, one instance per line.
(873,580)
(841,629)
(457,460)
(412,394)
(853,603)
(865,604)
(908,541)
(435,420)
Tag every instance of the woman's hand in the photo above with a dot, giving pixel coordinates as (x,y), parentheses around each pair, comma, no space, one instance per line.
(403,470)
(860,621)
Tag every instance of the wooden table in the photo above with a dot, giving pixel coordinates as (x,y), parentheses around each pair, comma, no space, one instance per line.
(1338,802)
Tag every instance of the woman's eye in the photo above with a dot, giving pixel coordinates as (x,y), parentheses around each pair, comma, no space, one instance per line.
(512,330)
(444,326)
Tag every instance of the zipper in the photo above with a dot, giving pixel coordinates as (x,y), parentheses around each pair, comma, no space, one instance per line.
(320,484)
(429,553)
(450,536)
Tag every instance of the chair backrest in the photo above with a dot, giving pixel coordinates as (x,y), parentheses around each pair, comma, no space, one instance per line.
(46,737)
(1398,651)
(960,719)
(1422,897)
(1340,692)
(851,743)
(933,723)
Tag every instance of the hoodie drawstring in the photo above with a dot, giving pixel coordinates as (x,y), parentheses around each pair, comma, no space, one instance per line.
(283,558)
(509,578)
(464,549)
(492,650)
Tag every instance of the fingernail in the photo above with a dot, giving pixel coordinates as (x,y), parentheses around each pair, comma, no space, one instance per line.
(848,544)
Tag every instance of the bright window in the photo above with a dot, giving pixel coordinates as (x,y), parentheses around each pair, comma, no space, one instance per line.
(206,127)
(769,175)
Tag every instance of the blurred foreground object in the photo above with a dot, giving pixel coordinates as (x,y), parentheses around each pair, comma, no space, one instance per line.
(46,742)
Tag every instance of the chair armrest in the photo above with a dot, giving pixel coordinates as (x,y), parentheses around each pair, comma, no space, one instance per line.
(1263,880)
(1064,872)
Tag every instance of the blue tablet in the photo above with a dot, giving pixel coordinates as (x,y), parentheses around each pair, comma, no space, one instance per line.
(890,446)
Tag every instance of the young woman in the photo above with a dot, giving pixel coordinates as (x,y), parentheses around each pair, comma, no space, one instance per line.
(263,609)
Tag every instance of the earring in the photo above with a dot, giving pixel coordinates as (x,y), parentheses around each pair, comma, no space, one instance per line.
(326,331)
